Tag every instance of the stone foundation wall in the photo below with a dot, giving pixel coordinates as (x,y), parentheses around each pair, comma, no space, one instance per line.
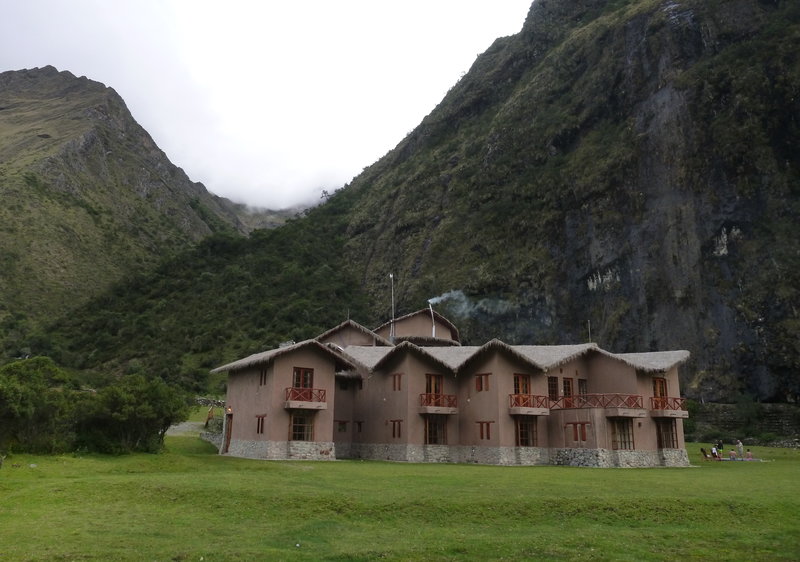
(604,458)
(282,450)
(213,438)
(509,456)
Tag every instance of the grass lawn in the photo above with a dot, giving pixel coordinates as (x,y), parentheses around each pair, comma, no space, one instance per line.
(191,504)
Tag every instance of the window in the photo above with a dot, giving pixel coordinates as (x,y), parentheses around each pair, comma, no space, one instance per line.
(434,384)
(435,430)
(360,384)
(659,387)
(552,388)
(303,378)
(359,425)
(482,382)
(621,433)
(302,427)
(260,423)
(578,431)
(583,386)
(262,378)
(525,427)
(522,384)
(397,381)
(341,426)
(397,428)
(667,434)
(343,384)
(567,387)
(485,429)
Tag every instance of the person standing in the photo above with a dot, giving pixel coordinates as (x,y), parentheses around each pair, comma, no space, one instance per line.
(740,448)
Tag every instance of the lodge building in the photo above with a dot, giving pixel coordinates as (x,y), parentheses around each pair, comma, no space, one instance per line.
(409,391)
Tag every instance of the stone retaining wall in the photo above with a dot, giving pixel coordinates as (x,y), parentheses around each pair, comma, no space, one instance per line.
(282,450)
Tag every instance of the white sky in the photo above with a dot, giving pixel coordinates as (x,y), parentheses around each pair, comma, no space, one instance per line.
(265,102)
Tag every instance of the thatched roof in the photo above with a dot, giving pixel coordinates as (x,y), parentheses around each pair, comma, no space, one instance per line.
(427,341)
(266,357)
(367,355)
(380,340)
(452,357)
(426,312)
(653,361)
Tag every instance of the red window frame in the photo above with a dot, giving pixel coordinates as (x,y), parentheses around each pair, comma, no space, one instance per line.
(522,384)
(434,384)
(303,377)
(397,381)
(485,429)
(482,382)
(397,429)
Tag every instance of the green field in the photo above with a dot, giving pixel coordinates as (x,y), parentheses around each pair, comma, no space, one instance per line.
(190,504)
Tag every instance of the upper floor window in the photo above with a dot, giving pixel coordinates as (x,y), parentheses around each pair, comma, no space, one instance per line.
(303,378)
(482,382)
(552,388)
(522,384)
(583,386)
(262,376)
(659,387)
(397,381)
(434,384)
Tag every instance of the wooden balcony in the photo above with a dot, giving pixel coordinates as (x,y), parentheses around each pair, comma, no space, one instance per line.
(305,399)
(528,405)
(614,405)
(668,407)
(438,404)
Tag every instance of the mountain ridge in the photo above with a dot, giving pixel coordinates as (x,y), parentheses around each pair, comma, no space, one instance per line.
(621,171)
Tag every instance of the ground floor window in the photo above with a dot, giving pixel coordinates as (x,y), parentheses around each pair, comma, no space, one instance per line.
(301,427)
(397,429)
(526,431)
(622,433)
(260,424)
(485,429)
(667,434)
(435,430)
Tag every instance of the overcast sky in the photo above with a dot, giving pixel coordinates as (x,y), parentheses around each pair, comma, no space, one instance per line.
(265,102)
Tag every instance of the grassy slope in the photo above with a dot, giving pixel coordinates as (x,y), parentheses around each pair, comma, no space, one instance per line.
(191,504)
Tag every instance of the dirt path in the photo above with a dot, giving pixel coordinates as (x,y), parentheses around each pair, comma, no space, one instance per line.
(186,428)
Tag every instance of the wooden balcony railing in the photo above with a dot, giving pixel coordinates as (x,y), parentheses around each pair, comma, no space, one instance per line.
(667,403)
(438,400)
(597,401)
(528,401)
(305,394)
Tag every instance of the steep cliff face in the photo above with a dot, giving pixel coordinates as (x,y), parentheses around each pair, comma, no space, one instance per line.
(86,196)
(628,168)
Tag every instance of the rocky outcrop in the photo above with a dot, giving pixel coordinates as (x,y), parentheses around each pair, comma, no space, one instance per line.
(618,170)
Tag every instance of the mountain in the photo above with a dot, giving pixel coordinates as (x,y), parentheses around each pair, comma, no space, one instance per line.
(86,196)
(625,167)
(620,171)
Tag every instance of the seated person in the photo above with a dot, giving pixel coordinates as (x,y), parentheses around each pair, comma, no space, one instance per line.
(732,455)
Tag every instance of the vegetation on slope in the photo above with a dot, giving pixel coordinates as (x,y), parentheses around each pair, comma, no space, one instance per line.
(226,298)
